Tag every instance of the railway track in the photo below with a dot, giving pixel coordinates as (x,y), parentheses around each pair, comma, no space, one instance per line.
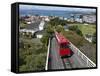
(67,63)
(56,62)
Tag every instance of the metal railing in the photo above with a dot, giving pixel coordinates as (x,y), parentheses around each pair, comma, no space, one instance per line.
(46,66)
(84,57)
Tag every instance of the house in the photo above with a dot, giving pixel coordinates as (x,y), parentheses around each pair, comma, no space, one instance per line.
(47,19)
(89,18)
(31,27)
(79,20)
(66,27)
(65,18)
(39,34)
(41,25)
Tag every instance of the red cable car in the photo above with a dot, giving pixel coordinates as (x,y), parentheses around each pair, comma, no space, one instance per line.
(63,43)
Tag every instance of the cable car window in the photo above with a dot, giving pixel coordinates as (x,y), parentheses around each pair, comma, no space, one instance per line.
(64,46)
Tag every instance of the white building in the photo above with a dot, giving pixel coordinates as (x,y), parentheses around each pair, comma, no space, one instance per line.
(78,20)
(41,26)
(39,34)
(89,18)
(47,19)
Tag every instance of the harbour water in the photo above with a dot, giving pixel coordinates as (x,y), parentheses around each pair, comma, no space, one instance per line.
(66,14)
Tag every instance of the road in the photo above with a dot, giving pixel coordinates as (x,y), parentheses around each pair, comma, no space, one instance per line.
(56,62)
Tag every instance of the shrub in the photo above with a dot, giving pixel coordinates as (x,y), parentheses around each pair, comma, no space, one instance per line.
(76,29)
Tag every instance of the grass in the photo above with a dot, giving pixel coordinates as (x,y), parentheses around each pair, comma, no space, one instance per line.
(86,29)
(74,38)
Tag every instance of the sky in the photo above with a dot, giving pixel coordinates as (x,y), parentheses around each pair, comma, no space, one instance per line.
(37,7)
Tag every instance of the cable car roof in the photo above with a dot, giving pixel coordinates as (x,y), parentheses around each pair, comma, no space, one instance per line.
(61,38)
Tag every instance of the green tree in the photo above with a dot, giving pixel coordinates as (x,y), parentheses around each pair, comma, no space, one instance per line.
(94,38)
(22,24)
(76,29)
(79,32)
(59,29)
(49,29)
(45,39)
(73,28)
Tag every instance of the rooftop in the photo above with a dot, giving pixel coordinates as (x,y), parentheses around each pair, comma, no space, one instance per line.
(39,32)
(33,26)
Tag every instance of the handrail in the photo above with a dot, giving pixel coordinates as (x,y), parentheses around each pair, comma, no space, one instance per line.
(46,66)
(88,61)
